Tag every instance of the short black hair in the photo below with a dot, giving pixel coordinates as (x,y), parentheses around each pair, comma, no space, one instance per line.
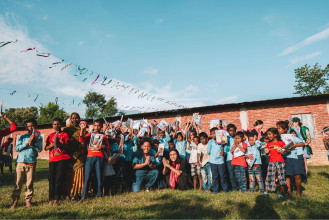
(180,133)
(213,129)
(253,133)
(197,138)
(240,134)
(58,119)
(203,134)
(229,126)
(99,121)
(32,120)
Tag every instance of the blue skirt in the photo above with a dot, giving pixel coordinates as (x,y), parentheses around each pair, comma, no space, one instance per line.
(294,167)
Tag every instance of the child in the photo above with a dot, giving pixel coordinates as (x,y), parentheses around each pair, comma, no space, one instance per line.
(95,157)
(195,165)
(276,162)
(325,139)
(203,161)
(294,166)
(180,144)
(57,144)
(7,155)
(265,157)
(216,160)
(238,161)
(255,171)
(163,138)
(231,129)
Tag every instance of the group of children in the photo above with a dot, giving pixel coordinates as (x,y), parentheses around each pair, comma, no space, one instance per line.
(267,159)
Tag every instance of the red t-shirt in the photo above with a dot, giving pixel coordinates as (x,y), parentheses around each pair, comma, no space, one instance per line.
(56,153)
(240,160)
(275,156)
(91,137)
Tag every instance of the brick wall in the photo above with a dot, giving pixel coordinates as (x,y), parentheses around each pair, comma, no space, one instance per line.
(267,112)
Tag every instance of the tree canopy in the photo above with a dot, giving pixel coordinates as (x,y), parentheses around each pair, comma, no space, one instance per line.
(97,106)
(311,80)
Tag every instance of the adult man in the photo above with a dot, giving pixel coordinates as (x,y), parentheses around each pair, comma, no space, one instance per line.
(27,147)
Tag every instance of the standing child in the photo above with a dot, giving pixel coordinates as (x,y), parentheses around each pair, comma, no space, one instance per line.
(238,161)
(216,160)
(194,161)
(276,162)
(294,166)
(57,144)
(231,129)
(95,158)
(203,161)
(254,170)
(180,144)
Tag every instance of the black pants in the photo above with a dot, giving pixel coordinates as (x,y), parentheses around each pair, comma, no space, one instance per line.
(56,174)
(182,181)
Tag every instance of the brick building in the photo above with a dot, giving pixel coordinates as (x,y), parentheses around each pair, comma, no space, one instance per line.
(313,111)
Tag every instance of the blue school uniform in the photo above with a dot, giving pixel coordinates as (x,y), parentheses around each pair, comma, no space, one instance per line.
(229,156)
(158,160)
(217,166)
(181,147)
(164,141)
(255,150)
(293,163)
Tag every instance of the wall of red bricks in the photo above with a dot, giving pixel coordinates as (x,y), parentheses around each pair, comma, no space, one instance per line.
(268,113)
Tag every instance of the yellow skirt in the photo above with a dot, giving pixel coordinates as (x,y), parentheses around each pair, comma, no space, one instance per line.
(77,185)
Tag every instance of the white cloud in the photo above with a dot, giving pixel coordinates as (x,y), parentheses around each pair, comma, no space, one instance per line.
(306,57)
(108,35)
(159,21)
(226,100)
(150,71)
(310,40)
(81,43)
(25,71)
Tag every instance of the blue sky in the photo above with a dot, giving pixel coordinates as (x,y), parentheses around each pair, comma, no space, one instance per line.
(190,52)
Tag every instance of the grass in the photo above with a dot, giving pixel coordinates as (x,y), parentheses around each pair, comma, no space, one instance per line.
(172,204)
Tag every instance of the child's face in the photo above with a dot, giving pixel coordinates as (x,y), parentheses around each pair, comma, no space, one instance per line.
(161,134)
(97,127)
(252,141)
(135,131)
(192,135)
(232,132)
(213,135)
(293,133)
(57,125)
(171,145)
(155,146)
(266,140)
(239,139)
(179,138)
(196,140)
(271,136)
(281,130)
(203,140)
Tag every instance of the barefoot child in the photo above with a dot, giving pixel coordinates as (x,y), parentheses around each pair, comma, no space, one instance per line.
(238,161)
(57,144)
(194,161)
(255,170)
(276,162)
(294,167)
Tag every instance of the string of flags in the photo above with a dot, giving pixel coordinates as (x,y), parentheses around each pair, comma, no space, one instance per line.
(82,71)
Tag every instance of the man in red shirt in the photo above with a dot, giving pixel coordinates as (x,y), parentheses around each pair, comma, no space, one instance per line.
(95,158)
(56,144)
(7,155)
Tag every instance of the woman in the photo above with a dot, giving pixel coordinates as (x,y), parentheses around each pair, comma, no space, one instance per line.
(303,133)
(175,171)
(258,126)
(77,151)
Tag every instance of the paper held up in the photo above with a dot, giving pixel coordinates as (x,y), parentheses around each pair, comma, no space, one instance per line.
(221,135)
(214,123)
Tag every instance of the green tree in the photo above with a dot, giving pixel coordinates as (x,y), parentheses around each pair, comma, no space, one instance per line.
(97,106)
(311,81)
(51,111)
(20,115)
